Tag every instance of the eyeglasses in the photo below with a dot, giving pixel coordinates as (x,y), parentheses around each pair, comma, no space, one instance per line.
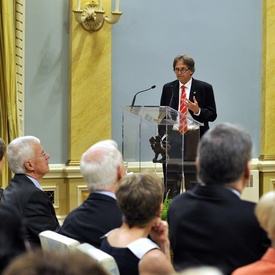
(43,154)
(182,70)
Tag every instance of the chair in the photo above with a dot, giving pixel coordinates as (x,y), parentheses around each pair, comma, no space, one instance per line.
(51,240)
(106,260)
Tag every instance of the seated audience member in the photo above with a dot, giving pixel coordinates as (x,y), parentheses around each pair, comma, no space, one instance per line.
(140,200)
(39,263)
(2,160)
(102,167)
(265,213)
(2,154)
(12,236)
(29,162)
(210,224)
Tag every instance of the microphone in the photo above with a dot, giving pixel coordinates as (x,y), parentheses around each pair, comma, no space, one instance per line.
(134,99)
(172,97)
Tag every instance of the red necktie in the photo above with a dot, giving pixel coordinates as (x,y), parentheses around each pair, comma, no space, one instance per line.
(183,121)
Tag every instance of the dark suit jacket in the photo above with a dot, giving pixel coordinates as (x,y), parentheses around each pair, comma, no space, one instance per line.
(211,225)
(95,217)
(204,95)
(34,206)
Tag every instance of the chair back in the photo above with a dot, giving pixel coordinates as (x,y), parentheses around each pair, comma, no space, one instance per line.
(51,240)
(106,260)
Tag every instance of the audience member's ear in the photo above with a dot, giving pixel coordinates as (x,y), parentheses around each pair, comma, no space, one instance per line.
(28,165)
(247,171)
(197,163)
(121,172)
(246,176)
(160,210)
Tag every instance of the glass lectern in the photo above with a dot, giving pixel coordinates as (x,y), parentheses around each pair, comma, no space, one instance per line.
(150,136)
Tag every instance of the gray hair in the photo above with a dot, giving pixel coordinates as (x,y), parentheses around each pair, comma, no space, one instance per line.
(223,154)
(99,165)
(265,213)
(19,150)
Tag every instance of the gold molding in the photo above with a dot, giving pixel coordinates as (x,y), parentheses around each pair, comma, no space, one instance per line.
(71,188)
(65,171)
(267,157)
(73,163)
(266,166)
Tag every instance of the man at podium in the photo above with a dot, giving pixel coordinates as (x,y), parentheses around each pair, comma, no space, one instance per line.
(195,99)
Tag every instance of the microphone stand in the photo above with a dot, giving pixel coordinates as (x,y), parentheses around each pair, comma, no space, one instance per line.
(134,99)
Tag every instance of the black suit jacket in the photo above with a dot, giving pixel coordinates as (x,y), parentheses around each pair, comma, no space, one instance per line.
(33,204)
(204,95)
(90,221)
(211,225)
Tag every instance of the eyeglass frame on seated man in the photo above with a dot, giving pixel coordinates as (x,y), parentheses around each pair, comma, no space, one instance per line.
(39,155)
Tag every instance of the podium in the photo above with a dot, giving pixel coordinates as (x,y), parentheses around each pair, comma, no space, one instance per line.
(150,138)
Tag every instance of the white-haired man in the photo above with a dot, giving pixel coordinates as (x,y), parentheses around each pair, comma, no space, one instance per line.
(29,162)
(102,168)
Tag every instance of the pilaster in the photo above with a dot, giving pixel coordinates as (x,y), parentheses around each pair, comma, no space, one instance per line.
(267,157)
(90,86)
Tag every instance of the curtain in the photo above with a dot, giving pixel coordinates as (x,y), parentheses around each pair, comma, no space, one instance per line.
(8,98)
